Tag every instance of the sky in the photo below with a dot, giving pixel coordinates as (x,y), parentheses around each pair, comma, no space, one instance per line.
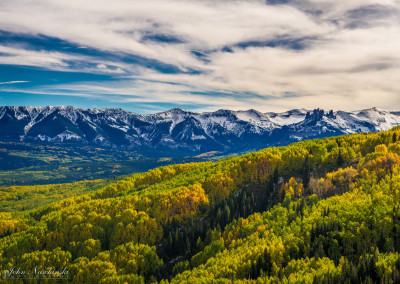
(201,55)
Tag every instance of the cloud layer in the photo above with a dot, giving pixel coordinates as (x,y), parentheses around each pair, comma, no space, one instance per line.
(271,55)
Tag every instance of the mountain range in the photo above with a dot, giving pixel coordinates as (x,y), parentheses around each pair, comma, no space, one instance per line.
(178,132)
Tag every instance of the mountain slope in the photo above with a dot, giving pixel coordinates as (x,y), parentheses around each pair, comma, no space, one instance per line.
(180,132)
(317,211)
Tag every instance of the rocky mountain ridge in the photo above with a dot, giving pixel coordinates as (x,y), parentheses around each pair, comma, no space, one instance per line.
(179,132)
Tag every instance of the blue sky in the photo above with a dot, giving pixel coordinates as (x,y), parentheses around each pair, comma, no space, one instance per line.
(149,56)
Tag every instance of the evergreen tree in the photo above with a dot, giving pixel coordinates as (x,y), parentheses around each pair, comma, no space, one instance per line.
(340,160)
(276,175)
(188,246)
(306,172)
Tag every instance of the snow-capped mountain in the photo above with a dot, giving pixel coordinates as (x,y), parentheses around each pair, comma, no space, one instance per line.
(180,132)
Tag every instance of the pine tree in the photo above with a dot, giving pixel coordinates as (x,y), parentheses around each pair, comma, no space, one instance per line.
(227,215)
(176,240)
(187,246)
(267,263)
(276,175)
(340,160)
(306,172)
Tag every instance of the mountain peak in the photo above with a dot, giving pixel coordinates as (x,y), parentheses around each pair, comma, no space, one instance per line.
(372,109)
(175,110)
(181,132)
(222,112)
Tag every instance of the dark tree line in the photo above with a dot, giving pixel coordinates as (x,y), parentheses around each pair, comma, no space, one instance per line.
(182,242)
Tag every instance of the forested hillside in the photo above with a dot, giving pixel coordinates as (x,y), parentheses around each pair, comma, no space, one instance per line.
(318,211)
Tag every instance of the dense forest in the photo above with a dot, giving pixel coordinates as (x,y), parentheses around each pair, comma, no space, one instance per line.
(317,211)
(33,164)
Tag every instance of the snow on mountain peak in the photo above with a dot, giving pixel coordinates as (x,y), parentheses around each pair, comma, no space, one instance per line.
(182,131)
(287,117)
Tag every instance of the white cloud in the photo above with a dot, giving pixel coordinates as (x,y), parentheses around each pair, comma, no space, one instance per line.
(58,61)
(350,59)
(13,82)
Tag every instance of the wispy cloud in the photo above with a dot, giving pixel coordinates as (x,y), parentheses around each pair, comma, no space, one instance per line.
(13,82)
(334,54)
